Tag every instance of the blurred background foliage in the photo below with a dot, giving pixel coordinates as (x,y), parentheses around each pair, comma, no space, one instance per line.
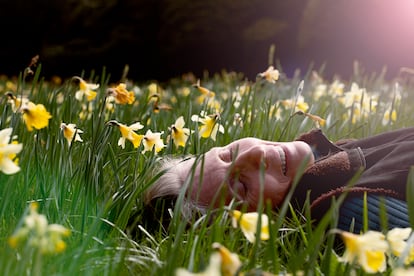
(161,39)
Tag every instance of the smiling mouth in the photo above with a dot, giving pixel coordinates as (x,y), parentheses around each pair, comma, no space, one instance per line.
(282,155)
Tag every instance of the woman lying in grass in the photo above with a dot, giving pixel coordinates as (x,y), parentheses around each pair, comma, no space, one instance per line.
(245,169)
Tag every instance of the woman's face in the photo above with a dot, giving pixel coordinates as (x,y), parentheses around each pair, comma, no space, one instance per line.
(235,172)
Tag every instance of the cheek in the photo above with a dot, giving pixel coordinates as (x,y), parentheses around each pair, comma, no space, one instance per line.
(276,189)
(209,190)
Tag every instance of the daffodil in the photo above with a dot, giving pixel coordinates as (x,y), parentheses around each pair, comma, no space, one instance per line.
(318,120)
(204,91)
(397,239)
(152,140)
(206,96)
(210,125)
(16,102)
(157,106)
(230,262)
(39,234)
(71,133)
(179,133)
(183,91)
(122,95)
(359,102)
(368,250)
(271,74)
(213,268)
(154,89)
(390,116)
(128,133)
(86,89)
(248,223)
(35,116)
(8,151)
(336,88)
(298,104)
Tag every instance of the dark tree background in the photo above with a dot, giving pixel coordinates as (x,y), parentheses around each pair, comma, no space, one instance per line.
(160,39)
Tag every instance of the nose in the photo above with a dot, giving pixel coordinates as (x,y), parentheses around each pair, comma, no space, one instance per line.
(251,157)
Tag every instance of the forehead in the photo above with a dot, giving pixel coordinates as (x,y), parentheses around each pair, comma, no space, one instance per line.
(246,141)
(194,164)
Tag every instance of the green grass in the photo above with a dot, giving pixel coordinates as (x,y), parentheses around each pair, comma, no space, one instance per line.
(93,187)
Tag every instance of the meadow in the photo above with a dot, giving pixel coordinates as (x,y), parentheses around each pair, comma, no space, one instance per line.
(83,150)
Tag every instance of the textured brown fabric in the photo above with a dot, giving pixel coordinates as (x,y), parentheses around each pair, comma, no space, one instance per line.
(381,164)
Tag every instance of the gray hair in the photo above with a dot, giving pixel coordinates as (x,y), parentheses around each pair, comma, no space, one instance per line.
(173,180)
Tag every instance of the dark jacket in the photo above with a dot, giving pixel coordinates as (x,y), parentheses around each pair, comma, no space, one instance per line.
(384,162)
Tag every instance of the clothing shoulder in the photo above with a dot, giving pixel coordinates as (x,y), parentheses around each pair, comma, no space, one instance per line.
(319,143)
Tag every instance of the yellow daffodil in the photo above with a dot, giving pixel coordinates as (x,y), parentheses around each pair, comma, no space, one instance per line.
(16,102)
(368,250)
(35,116)
(154,89)
(179,133)
(122,95)
(359,102)
(128,133)
(210,125)
(206,96)
(152,140)
(248,224)
(47,238)
(71,133)
(183,91)
(271,74)
(390,116)
(230,262)
(8,151)
(213,268)
(86,89)
(397,239)
(157,106)
(318,120)
(298,104)
(336,88)
(204,91)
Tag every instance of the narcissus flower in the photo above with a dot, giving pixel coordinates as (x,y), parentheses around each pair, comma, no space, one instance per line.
(298,103)
(86,89)
(121,94)
(248,223)
(318,120)
(152,140)
(271,74)
(368,250)
(179,133)
(230,262)
(210,125)
(35,116)
(16,102)
(204,91)
(39,234)
(71,133)
(390,116)
(206,95)
(128,133)
(397,239)
(213,268)
(8,151)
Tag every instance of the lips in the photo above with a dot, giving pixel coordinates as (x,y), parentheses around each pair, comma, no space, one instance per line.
(282,155)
